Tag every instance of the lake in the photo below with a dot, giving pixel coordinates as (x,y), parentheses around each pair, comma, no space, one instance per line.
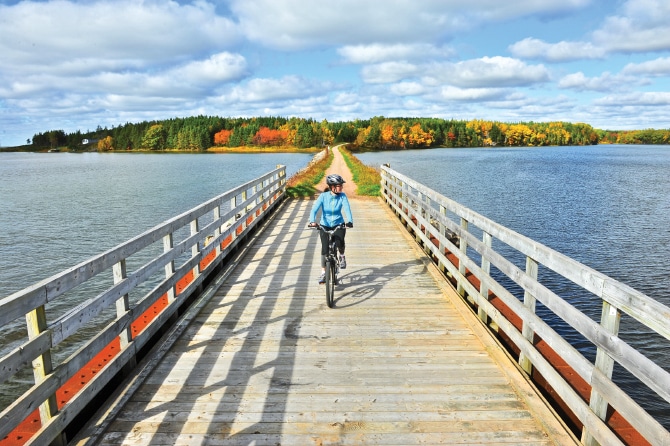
(605,206)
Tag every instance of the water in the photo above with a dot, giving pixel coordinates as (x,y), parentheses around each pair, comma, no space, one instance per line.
(59,209)
(605,206)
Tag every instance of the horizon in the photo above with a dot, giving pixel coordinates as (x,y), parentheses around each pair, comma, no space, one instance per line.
(77,64)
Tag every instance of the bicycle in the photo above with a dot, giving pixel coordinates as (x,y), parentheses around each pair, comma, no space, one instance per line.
(332,262)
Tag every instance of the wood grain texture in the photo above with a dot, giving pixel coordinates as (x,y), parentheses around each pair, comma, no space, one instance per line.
(399,360)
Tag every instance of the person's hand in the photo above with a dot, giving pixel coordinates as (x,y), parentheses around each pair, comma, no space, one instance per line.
(312,224)
(350,225)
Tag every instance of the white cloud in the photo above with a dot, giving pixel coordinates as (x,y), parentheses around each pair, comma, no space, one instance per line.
(286,88)
(388,72)
(605,82)
(470,94)
(79,37)
(407,89)
(193,79)
(649,99)
(296,24)
(531,48)
(652,68)
(222,67)
(643,27)
(488,72)
(377,53)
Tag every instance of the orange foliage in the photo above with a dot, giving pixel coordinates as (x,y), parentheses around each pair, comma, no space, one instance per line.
(221,138)
(268,137)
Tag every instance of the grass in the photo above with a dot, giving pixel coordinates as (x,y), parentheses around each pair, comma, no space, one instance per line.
(366,178)
(302,184)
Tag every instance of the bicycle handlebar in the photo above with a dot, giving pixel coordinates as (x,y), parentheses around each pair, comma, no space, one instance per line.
(321,228)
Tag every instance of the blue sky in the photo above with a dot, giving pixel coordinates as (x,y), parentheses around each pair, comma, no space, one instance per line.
(68,64)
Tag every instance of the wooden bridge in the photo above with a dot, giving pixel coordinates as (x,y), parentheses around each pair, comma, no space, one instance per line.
(236,344)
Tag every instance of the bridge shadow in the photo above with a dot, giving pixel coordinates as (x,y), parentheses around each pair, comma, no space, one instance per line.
(250,369)
(242,364)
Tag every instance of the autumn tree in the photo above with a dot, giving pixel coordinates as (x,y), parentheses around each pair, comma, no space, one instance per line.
(106,144)
(221,138)
(268,137)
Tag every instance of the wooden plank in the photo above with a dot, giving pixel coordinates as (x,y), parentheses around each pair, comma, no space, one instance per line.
(393,363)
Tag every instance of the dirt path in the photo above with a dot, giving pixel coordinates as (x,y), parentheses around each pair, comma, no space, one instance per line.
(340,167)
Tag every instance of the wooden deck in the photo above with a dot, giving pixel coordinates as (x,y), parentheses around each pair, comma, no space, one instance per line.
(399,360)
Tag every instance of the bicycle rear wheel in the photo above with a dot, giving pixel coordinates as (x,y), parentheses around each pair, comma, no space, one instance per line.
(330,283)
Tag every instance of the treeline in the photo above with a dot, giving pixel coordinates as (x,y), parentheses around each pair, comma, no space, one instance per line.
(647,136)
(379,133)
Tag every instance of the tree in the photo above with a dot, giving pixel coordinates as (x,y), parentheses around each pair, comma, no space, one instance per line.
(221,138)
(106,144)
(154,138)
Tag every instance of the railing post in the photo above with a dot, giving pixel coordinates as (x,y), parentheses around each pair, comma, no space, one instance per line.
(217,231)
(122,307)
(442,230)
(195,249)
(530,302)
(168,244)
(36,322)
(463,247)
(609,320)
(483,283)
(233,219)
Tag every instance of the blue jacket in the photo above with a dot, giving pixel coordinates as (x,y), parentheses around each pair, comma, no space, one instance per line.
(331,209)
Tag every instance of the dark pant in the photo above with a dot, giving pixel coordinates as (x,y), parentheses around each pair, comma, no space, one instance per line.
(339,240)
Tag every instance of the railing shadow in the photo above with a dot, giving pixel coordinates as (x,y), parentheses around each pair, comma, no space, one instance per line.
(246,369)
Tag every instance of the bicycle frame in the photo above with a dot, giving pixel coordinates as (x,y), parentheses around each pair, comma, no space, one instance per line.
(332,264)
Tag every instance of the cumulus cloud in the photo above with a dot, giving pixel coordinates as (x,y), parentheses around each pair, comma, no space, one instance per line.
(470,94)
(388,72)
(286,88)
(488,72)
(606,82)
(652,68)
(378,53)
(653,99)
(78,37)
(222,67)
(408,89)
(296,24)
(642,27)
(531,48)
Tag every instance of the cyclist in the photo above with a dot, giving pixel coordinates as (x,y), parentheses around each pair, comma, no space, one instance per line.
(332,203)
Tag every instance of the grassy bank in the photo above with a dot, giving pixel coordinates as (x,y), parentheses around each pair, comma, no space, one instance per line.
(367,178)
(303,183)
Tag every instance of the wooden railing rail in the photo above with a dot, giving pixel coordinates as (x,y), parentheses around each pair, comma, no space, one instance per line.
(214,228)
(441,225)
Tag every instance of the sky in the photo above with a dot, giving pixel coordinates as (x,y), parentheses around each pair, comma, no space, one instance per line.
(78,64)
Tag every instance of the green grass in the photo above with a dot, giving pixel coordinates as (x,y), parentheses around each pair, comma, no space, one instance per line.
(366,178)
(303,183)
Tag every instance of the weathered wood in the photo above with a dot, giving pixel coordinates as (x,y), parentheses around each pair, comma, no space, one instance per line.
(620,297)
(393,362)
(266,192)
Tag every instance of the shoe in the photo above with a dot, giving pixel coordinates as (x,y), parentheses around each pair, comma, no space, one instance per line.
(343,262)
(322,278)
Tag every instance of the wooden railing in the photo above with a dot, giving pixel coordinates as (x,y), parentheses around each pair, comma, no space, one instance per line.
(204,236)
(447,231)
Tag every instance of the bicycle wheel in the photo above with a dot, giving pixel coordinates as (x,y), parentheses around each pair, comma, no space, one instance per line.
(330,283)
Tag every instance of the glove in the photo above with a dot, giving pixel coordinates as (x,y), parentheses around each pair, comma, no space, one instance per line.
(349,225)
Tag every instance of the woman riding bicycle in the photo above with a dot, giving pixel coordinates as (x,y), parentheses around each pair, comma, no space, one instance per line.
(332,203)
